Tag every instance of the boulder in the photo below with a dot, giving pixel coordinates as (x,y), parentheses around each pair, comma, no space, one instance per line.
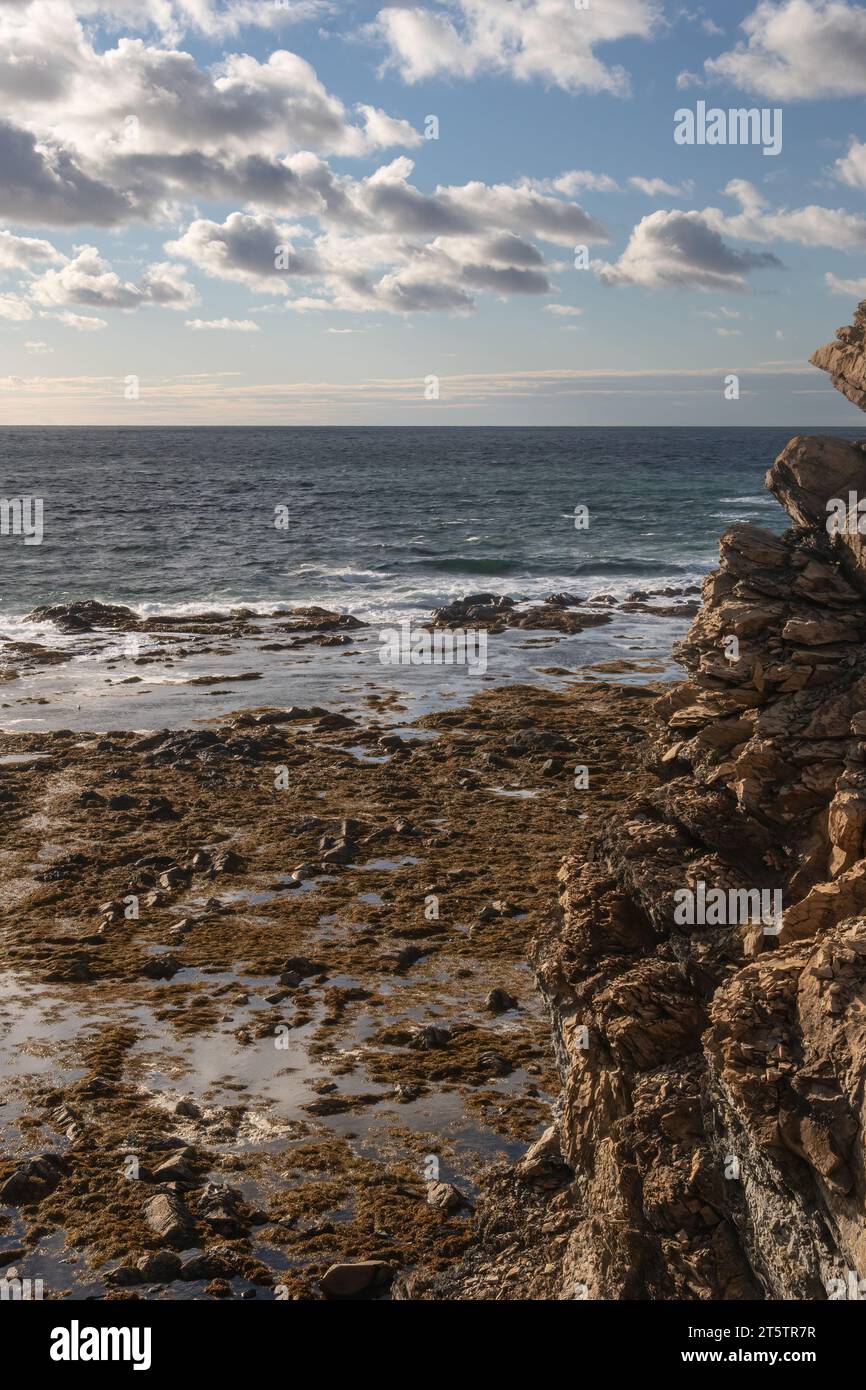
(355,1280)
(169,1217)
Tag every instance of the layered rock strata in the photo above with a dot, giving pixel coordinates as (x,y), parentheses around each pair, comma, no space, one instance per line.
(710,1135)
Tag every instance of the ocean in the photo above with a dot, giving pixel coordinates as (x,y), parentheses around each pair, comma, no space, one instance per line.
(385,524)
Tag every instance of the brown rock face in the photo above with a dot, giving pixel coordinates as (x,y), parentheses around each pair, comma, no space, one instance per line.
(845,359)
(707,977)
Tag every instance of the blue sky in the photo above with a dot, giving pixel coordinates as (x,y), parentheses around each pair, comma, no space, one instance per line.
(156,154)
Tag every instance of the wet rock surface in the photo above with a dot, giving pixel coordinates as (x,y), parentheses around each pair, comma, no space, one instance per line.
(560,612)
(253,1058)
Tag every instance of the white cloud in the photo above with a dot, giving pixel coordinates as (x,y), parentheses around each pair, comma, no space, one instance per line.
(798,50)
(215,18)
(82,323)
(562,310)
(88,280)
(13,307)
(223,325)
(135,98)
(655,188)
(681,249)
(44,184)
(851,169)
(249,248)
(103,136)
(382,243)
(547,39)
(19,252)
(524,210)
(574,181)
(808,226)
(835,285)
(37,348)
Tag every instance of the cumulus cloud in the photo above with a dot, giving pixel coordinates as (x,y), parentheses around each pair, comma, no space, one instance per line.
(527,211)
(249,248)
(102,137)
(798,49)
(547,39)
(136,98)
(382,243)
(20,252)
(43,185)
(807,226)
(88,280)
(851,168)
(681,249)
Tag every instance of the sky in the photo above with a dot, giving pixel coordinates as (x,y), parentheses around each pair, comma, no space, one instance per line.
(441,212)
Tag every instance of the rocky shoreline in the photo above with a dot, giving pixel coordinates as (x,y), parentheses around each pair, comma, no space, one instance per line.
(709,1139)
(269,1023)
(265,1006)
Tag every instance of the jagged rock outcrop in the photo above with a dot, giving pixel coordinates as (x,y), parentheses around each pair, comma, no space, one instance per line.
(845,359)
(714,1060)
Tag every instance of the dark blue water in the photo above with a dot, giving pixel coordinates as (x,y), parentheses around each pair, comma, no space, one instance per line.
(383,522)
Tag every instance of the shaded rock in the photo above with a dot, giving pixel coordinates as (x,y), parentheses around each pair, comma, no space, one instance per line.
(122,1276)
(535,741)
(32,1180)
(174,878)
(474,608)
(564,600)
(353,1280)
(170,1218)
(499,1001)
(445,1196)
(161,967)
(158,1267)
(175,1169)
(227,861)
(343,852)
(84,616)
(845,359)
(428,1037)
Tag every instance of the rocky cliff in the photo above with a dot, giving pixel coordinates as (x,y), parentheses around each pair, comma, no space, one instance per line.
(710,1137)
